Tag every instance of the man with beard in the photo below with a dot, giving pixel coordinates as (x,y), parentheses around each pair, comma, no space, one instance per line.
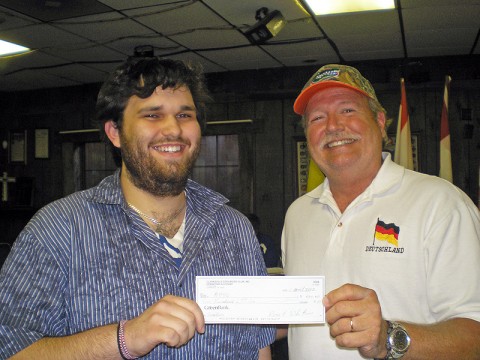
(109,272)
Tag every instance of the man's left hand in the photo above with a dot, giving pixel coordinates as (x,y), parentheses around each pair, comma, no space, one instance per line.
(355,318)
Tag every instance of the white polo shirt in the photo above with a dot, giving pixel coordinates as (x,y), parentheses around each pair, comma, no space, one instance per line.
(428,272)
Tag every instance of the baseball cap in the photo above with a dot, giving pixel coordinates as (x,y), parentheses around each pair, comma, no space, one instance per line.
(333,75)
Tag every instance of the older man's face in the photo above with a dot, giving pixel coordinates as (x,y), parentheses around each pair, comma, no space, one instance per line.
(342,132)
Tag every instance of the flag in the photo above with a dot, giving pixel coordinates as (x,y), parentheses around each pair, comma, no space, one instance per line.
(386,232)
(445,154)
(315,176)
(403,142)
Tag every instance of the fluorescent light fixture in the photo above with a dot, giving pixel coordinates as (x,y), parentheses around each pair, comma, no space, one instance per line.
(7,48)
(81,131)
(328,7)
(229,122)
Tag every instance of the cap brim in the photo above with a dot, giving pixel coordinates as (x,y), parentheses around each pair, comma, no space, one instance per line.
(305,96)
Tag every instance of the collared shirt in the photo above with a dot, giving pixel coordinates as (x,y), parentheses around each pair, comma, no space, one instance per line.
(411,237)
(87,260)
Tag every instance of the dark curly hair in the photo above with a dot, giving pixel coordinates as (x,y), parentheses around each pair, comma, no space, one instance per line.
(140,76)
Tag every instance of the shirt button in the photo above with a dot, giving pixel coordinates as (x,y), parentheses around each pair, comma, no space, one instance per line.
(340,224)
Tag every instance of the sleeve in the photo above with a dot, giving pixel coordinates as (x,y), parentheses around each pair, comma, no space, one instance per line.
(31,299)
(452,256)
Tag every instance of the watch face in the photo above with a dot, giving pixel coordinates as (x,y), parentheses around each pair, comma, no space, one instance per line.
(399,340)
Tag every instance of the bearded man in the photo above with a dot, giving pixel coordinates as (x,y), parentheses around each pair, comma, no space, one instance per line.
(109,272)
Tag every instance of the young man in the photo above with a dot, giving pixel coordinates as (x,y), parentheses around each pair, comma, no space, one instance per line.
(109,272)
(393,244)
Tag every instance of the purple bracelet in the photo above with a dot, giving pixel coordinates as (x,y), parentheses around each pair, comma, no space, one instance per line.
(122,346)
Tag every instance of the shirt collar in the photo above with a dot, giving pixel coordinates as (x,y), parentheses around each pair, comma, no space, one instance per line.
(388,177)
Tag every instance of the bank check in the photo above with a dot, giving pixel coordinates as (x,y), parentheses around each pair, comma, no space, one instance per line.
(261,299)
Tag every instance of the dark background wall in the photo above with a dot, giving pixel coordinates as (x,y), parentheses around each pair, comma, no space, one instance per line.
(267,96)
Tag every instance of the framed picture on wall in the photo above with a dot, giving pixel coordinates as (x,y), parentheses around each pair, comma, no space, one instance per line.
(42,143)
(17,147)
(390,147)
(302,161)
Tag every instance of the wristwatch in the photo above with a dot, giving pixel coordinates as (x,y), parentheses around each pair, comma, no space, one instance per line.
(398,341)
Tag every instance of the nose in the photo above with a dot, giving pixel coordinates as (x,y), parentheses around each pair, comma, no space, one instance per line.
(170,126)
(333,122)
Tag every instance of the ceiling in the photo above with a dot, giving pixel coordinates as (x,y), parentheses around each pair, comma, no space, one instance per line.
(79,41)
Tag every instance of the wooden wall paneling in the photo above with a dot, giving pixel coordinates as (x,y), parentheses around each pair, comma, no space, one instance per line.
(240,95)
(238,110)
(247,176)
(292,129)
(68,180)
(428,103)
(269,167)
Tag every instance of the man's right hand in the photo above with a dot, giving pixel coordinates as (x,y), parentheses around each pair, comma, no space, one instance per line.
(172,321)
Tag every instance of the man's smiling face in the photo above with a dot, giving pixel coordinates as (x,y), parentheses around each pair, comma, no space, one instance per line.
(160,140)
(342,131)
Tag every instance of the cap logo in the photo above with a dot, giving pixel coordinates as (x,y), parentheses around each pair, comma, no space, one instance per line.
(326,75)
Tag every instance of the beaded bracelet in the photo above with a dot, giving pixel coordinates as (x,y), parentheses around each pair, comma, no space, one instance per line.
(122,346)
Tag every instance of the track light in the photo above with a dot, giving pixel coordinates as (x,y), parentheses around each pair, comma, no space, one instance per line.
(267,27)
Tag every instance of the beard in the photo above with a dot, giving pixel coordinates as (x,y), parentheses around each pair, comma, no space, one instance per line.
(149,174)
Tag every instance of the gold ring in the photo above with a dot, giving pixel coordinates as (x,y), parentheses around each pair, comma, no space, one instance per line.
(351,324)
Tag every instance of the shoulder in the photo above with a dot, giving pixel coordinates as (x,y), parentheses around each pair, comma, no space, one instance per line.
(201,196)
(211,208)
(303,205)
(80,205)
(434,187)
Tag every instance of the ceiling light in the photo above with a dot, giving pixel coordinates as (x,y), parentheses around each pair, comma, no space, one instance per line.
(7,48)
(267,27)
(324,7)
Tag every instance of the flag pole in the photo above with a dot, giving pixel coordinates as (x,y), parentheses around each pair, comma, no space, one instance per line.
(445,151)
(403,142)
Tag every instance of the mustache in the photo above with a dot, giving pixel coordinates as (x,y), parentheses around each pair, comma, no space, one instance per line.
(338,136)
(170,139)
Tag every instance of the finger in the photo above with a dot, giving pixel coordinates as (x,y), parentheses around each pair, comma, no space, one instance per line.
(362,332)
(351,306)
(191,307)
(171,321)
(174,331)
(194,309)
(342,312)
(345,292)
(180,315)
(343,326)
(367,340)
(352,340)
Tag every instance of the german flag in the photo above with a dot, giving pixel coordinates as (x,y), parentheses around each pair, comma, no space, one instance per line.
(387,232)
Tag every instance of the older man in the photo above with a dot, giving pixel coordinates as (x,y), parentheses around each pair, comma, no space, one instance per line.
(400,250)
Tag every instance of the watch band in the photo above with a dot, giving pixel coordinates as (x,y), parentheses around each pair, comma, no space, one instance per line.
(398,341)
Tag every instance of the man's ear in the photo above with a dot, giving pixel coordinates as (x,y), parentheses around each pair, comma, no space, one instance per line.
(382,123)
(111,130)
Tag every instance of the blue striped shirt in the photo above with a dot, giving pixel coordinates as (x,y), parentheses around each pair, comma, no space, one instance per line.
(87,260)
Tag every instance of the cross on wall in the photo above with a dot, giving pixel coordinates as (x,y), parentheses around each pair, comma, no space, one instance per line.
(5,180)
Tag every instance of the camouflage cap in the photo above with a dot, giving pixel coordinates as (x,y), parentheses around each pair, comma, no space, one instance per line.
(334,75)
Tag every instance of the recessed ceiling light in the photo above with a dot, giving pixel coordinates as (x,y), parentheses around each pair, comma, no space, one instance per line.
(328,7)
(8,48)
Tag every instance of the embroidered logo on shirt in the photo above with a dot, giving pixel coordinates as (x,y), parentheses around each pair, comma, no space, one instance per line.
(384,235)
(386,232)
